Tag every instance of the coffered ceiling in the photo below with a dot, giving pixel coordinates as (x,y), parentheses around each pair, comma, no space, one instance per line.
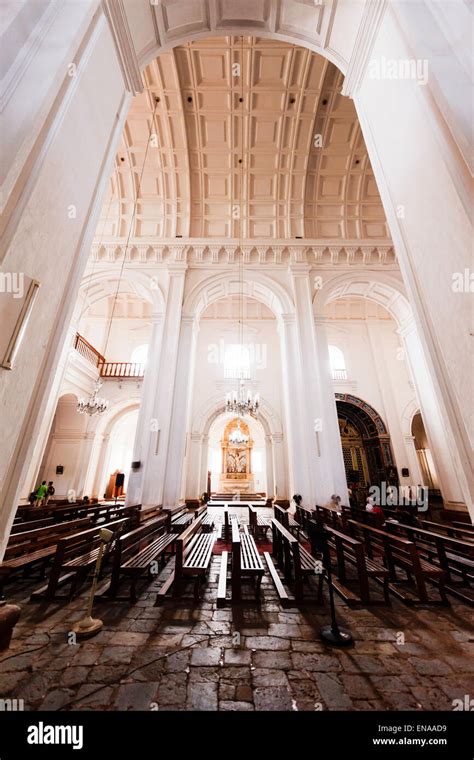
(249,137)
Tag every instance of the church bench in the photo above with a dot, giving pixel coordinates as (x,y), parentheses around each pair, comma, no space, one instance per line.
(401,553)
(348,549)
(152,513)
(459,530)
(336,518)
(23,527)
(193,558)
(136,551)
(287,520)
(207,523)
(246,561)
(455,556)
(27,549)
(293,559)
(303,515)
(74,557)
(229,518)
(285,599)
(463,526)
(259,525)
(178,518)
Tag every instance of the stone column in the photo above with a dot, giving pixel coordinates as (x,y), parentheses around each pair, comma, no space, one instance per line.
(315,445)
(144,431)
(161,392)
(280,467)
(416,475)
(99,483)
(381,361)
(269,465)
(193,475)
(445,455)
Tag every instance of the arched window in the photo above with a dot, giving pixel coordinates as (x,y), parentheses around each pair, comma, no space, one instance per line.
(338,363)
(140,354)
(237,361)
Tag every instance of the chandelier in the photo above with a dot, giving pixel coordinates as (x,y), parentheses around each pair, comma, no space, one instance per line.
(242,402)
(94,404)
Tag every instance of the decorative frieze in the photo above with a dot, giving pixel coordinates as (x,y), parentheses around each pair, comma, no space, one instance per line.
(260,253)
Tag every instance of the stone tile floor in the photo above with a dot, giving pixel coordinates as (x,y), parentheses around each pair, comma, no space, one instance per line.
(193,656)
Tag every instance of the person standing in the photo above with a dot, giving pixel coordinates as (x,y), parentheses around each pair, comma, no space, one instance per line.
(50,492)
(41,494)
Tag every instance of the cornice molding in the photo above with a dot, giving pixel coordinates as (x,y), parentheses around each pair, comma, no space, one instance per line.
(365,40)
(114,12)
(259,254)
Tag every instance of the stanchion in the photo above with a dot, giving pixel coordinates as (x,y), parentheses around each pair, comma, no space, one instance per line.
(89,626)
(332,634)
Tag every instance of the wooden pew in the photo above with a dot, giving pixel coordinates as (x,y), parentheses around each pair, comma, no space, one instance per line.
(402,554)
(179,518)
(74,557)
(37,546)
(229,518)
(193,558)
(292,558)
(287,520)
(136,550)
(258,525)
(23,527)
(303,515)
(462,531)
(337,519)
(246,561)
(351,550)
(455,556)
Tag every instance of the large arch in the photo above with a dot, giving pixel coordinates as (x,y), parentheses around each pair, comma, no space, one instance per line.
(256,285)
(276,456)
(129,35)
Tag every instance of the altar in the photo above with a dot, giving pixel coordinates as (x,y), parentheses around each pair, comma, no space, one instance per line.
(236,475)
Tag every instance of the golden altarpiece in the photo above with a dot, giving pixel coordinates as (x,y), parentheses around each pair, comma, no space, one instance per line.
(236,475)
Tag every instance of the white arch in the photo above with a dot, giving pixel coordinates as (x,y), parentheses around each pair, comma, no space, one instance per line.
(378,287)
(214,407)
(262,18)
(412,408)
(142,285)
(256,285)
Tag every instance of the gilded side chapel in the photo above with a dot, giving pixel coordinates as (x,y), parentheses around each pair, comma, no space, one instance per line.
(236,360)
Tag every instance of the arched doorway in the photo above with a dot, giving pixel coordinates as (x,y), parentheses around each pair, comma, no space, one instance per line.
(368,458)
(423,452)
(236,456)
(119,453)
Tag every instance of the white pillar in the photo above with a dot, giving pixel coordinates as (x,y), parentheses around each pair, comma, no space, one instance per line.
(161,390)
(144,431)
(194,452)
(445,456)
(382,360)
(423,179)
(269,465)
(416,475)
(280,467)
(204,459)
(180,410)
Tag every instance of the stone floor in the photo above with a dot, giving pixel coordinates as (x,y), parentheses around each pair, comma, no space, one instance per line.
(193,656)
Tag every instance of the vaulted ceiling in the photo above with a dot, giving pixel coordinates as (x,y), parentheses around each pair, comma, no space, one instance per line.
(267,148)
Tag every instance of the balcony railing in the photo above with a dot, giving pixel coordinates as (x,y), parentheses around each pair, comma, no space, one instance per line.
(339,374)
(107,369)
(88,352)
(121,369)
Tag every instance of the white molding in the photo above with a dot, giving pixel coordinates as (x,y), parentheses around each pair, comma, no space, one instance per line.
(114,12)
(366,35)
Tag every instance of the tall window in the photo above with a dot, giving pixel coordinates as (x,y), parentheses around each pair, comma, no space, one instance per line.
(139,354)
(338,363)
(237,361)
